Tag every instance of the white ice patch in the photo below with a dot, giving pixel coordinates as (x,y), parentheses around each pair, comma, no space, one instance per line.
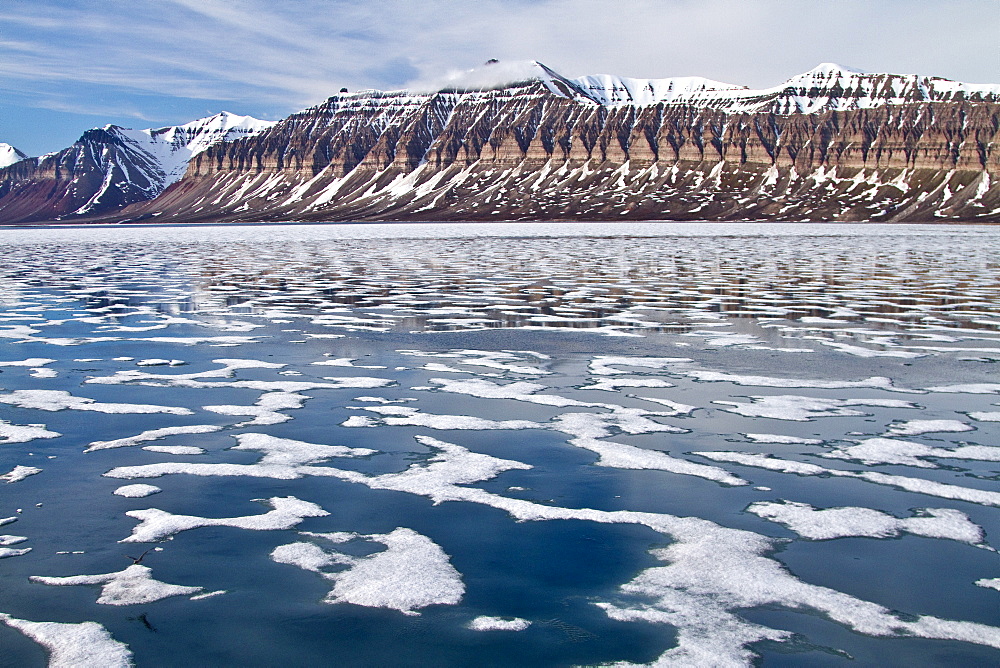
(829,523)
(6,552)
(805,409)
(84,645)
(918,427)
(783,440)
(137,491)
(30,362)
(917,485)
(991,583)
(969,388)
(265,409)
(23,433)
(408,416)
(57,400)
(42,372)
(614,384)
(485,623)
(7,540)
(152,435)
(19,473)
(156,525)
(412,573)
(604,365)
(131,586)
(874,382)
(907,453)
(176,449)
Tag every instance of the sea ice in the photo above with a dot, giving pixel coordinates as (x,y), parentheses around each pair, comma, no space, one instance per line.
(131,586)
(156,524)
(13,551)
(907,453)
(152,435)
(805,409)
(265,409)
(84,645)
(19,473)
(137,491)
(412,572)
(23,433)
(825,524)
(485,623)
(785,440)
(57,400)
(176,449)
(918,427)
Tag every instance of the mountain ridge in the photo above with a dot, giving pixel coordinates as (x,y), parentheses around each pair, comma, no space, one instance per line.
(520,141)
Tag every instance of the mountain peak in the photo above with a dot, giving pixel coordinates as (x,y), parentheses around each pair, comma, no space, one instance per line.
(9,155)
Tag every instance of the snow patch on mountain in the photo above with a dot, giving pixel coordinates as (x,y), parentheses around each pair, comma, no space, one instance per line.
(9,155)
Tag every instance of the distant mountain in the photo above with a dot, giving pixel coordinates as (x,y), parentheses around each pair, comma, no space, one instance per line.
(520,141)
(111,167)
(9,155)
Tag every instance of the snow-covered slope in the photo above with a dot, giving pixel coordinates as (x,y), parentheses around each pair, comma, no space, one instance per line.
(112,167)
(828,86)
(520,141)
(9,155)
(169,149)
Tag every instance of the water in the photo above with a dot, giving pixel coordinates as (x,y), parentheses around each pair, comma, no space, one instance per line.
(546,423)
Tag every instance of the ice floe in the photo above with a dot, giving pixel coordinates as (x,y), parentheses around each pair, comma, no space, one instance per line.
(907,453)
(917,485)
(265,409)
(825,524)
(156,525)
(152,435)
(804,409)
(413,571)
(58,400)
(137,491)
(23,433)
(176,449)
(990,583)
(918,427)
(131,586)
(19,473)
(83,645)
(486,623)
(783,440)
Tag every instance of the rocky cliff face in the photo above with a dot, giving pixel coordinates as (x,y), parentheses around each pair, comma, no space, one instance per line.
(831,144)
(109,168)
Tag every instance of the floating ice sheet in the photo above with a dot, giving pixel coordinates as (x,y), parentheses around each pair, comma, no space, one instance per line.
(84,645)
(825,524)
(156,524)
(23,433)
(412,573)
(19,473)
(486,623)
(58,400)
(131,586)
(805,409)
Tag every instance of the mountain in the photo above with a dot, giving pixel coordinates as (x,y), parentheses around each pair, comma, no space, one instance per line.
(111,167)
(520,141)
(9,155)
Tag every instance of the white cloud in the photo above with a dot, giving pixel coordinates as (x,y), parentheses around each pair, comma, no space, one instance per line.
(292,54)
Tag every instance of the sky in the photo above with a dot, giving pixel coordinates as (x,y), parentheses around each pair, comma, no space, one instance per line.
(70,65)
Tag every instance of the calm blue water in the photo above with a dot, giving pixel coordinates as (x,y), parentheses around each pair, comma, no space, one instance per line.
(891,332)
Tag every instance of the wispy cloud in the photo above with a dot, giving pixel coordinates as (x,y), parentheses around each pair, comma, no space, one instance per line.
(260,53)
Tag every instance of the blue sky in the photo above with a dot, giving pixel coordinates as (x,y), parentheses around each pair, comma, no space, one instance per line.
(69,65)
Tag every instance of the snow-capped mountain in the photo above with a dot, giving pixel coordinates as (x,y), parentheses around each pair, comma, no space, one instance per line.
(111,167)
(9,155)
(521,141)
